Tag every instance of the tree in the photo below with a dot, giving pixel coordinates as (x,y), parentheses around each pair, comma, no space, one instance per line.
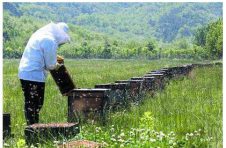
(106,53)
(150,46)
(210,37)
(214,39)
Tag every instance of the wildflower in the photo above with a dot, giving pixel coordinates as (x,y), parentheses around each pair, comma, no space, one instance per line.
(170,142)
(161,133)
(131,133)
(6,144)
(112,129)
(32,146)
(113,139)
(152,140)
(191,134)
(174,144)
(120,140)
(56,142)
(153,131)
(122,135)
(171,133)
(104,144)
(98,129)
(159,137)
(142,138)
(209,139)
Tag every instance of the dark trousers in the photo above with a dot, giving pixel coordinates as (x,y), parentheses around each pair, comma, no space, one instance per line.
(34,97)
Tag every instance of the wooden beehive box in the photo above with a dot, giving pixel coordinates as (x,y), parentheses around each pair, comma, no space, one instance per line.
(159,80)
(149,83)
(117,95)
(39,133)
(80,144)
(87,103)
(135,88)
(6,125)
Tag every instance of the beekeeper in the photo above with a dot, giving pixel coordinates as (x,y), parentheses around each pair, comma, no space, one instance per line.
(40,55)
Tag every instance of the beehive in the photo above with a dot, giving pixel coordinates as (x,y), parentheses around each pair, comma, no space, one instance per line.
(87,103)
(6,125)
(39,133)
(135,87)
(117,95)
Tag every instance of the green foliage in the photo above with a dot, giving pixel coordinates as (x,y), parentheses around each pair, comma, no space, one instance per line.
(214,39)
(147,121)
(21,143)
(106,53)
(211,38)
(150,46)
(108,30)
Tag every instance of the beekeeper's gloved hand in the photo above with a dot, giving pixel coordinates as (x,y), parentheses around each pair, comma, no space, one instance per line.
(60,59)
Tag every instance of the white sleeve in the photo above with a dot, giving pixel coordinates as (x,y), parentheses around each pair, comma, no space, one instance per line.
(50,54)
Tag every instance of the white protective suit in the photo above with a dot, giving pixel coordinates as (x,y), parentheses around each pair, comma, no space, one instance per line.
(40,53)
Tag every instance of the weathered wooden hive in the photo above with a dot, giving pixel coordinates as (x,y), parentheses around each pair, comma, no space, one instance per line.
(6,125)
(87,103)
(80,144)
(117,95)
(135,87)
(40,133)
(159,80)
(141,79)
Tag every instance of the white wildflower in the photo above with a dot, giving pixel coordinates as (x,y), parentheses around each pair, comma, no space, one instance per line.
(113,139)
(120,140)
(122,135)
(131,133)
(112,129)
(170,142)
(56,142)
(152,140)
(6,144)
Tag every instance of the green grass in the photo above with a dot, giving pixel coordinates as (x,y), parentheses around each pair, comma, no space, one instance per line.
(184,106)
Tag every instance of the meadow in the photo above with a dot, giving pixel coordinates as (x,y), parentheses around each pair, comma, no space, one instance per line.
(188,112)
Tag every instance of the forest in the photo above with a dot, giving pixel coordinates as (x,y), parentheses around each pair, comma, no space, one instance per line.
(120,30)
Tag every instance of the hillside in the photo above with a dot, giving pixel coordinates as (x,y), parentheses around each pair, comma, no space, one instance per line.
(120,30)
(164,21)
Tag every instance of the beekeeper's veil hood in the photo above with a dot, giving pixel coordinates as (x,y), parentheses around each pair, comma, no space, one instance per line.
(58,31)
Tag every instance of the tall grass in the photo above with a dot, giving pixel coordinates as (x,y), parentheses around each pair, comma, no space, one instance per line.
(183,106)
(186,105)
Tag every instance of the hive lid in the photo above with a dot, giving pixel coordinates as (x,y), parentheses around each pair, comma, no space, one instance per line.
(154,74)
(49,125)
(90,90)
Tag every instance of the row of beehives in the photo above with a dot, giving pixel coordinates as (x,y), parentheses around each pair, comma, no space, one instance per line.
(105,97)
